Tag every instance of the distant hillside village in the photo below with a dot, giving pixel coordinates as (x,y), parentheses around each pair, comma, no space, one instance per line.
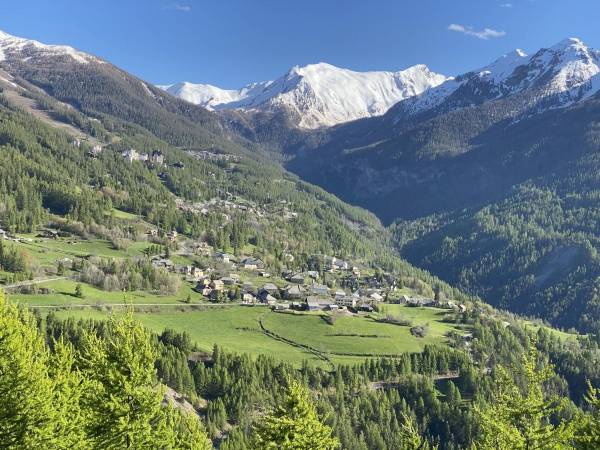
(245,279)
(318,283)
(223,277)
(154,157)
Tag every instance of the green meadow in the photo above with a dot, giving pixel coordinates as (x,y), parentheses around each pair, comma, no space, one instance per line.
(293,338)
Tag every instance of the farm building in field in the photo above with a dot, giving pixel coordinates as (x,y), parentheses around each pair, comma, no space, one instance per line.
(315,303)
(348,301)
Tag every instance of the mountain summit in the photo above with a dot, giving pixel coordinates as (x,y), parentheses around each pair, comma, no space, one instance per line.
(552,77)
(16,48)
(317,95)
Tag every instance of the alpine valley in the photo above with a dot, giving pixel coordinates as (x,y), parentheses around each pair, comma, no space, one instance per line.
(332,259)
(487,179)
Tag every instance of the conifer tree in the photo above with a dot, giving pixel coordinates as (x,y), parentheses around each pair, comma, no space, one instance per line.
(587,435)
(39,394)
(125,401)
(294,425)
(520,418)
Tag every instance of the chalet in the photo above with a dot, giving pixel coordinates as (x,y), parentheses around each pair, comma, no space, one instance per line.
(163,263)
(404,299)
(227,281)
(49,234)
(199,286)
(270,288)
(462,308)
(314,303)
(313,274)
(348,301)
(157,158)
(293,292)
(185,270)
(217,285)
(297,279)
(339,294)
(131,155)
(264,274)
(248,298)
(225,257)
(334,263)
(340,265)
(420,301)
(95,151)
(152,232)
(206,291)
(333,307)
(251,263)
(196,273)
(319,289)
(204,281)
(248,287)
(375,296)
(172,235)
(265,297)
(234,276)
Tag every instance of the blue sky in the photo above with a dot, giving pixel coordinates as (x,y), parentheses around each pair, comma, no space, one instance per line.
(232,42)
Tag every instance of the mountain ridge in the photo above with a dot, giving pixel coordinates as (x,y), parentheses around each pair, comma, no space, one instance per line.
(319,95)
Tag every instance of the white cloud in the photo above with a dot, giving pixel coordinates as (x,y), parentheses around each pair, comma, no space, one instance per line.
(178,7)
(485,34)
(506,5)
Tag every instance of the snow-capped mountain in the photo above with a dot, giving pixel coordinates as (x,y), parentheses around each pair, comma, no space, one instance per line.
(212,97)
(318,95)
(553,77)
(20,49)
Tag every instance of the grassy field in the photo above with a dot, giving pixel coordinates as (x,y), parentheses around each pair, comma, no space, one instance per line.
(63,294)
(563,335)
(47,251)
(359,335)
(295,337)
(234,328)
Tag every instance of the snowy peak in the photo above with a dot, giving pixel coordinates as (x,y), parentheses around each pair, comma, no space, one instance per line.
(553,77)
(504,66)
(211,97)
(16,48)
(317,95)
